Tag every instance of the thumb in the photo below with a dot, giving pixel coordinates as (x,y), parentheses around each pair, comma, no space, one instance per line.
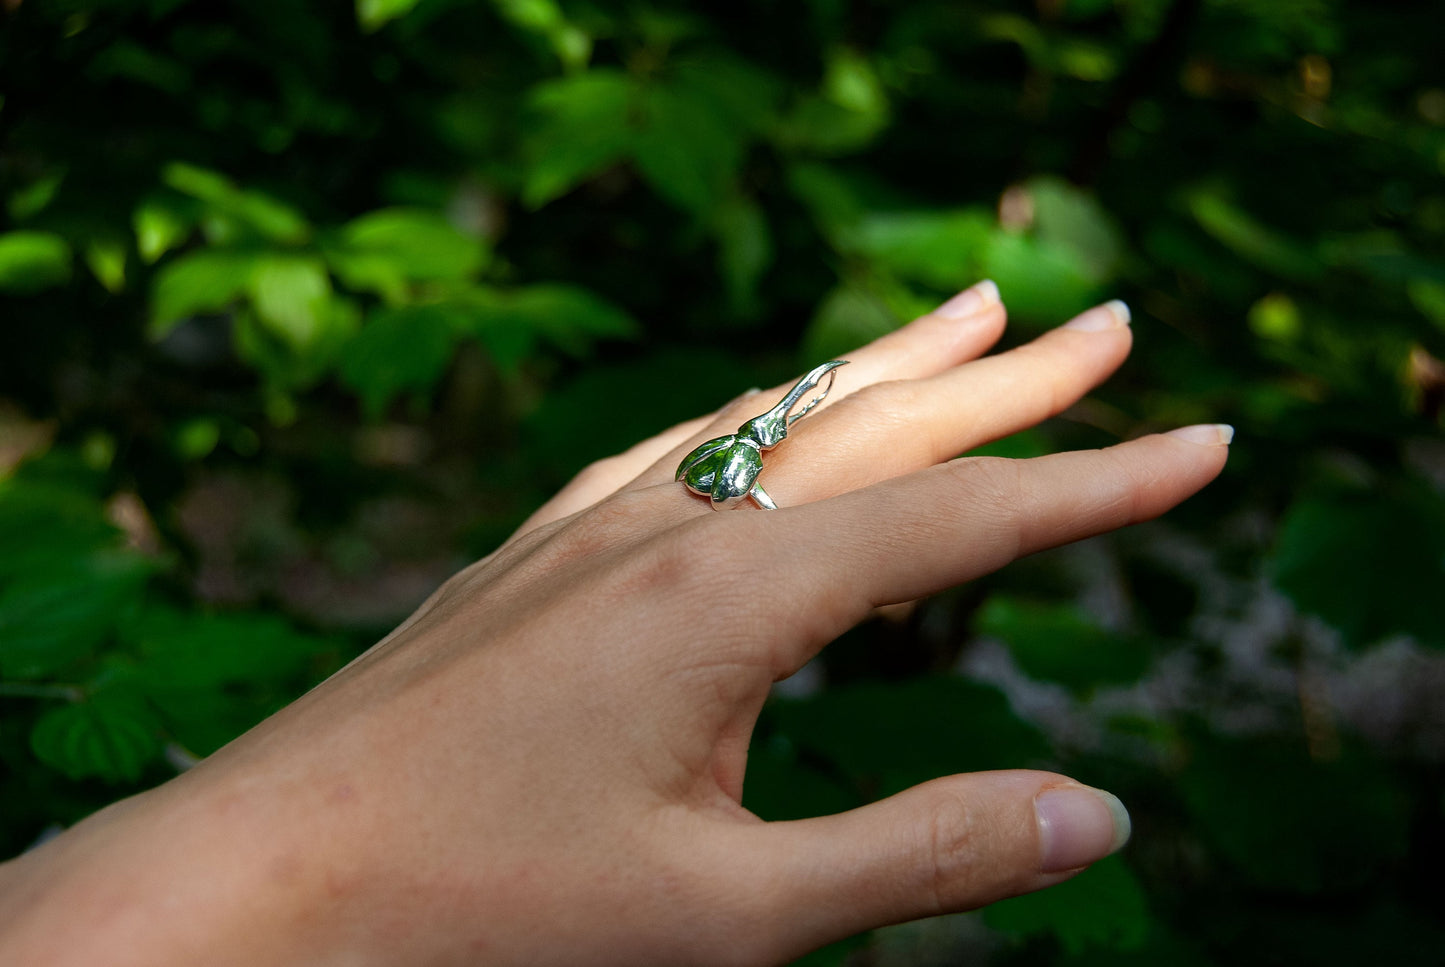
(948,845)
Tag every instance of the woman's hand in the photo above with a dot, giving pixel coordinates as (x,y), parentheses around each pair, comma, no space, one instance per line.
(544,764)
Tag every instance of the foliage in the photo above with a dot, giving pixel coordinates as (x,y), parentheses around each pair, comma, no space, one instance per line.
(306,303)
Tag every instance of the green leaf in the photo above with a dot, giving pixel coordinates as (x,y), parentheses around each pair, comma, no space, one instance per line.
(160,225)
(32,261)
(1059,643)
(106,258)
(943,249)
(1291,822)
(606,409)
(404,245)
(1040,283)
(1104,906)
(509,323)
(581,125)
(179,651)
(1251,240)
(270,218)
(686,152)
(110,735)
(49,622)
(31,200)
(398,350)
(289,365)
(848,318)
(545,18)
(889,736)
(46,527)
(375,14)
(1371,565)
(849,112)
(1067,218)
(200,282)
(1276,318)
(291,295)
(745,251)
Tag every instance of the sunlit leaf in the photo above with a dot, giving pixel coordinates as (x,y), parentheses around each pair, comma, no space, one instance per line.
(375,14)
(1040,283)
(939,248)
(32,261)
(106,258)
(404,244)
(200,282)
(1276,317)
(160,225)
(292,297)
(570,43)
(109,735)
(267,216)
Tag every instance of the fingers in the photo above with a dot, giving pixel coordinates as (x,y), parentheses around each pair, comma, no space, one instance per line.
(931,530)
(890,428)
(960,329)
(893,428)
(949,845)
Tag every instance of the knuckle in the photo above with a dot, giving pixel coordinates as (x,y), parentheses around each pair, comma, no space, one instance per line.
(954,832)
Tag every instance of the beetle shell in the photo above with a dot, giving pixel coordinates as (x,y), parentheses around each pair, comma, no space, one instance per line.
(723,469)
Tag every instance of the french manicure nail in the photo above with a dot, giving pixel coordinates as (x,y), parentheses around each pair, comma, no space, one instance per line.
(970,301)
(1078,825)
(1206,434)
(1113,314)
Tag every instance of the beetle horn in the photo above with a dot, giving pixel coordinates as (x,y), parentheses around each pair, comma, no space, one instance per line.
(812,379)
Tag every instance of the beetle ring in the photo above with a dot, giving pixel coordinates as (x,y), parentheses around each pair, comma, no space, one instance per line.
(726,469)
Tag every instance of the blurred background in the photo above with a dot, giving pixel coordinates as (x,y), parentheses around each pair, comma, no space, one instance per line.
(307,304)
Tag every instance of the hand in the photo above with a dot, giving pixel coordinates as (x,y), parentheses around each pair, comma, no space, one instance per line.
(544,764)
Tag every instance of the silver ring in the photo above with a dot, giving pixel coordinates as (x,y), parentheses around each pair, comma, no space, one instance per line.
(726,469)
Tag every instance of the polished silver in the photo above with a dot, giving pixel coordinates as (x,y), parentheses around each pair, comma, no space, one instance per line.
(726,469)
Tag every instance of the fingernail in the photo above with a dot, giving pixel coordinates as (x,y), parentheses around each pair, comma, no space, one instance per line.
(970,301)
(1206,434)
(1078,825)
(1111,315)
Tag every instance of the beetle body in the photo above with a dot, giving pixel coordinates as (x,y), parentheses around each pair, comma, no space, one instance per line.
(725,469)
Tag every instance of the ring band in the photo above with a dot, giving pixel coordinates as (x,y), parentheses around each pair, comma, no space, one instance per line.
(725,469)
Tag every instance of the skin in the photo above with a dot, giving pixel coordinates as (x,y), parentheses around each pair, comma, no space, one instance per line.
(544,764)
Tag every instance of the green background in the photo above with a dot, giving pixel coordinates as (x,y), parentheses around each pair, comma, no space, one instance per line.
(307,304)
